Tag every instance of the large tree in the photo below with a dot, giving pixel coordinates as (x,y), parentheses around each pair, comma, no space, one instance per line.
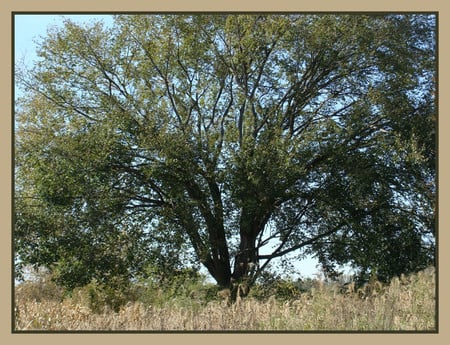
(236,138)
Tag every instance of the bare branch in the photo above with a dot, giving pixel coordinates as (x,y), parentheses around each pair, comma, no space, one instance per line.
(278,252)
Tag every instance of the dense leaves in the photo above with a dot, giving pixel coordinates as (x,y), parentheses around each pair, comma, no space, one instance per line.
(232,139)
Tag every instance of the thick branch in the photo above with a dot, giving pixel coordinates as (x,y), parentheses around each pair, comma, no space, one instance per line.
(278,252)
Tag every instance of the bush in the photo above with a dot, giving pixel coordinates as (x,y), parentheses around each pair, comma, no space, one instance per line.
(100,297)
(281,288)
(183,287)
(40,287)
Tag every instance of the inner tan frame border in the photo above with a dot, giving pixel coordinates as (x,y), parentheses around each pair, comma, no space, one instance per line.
(8,7)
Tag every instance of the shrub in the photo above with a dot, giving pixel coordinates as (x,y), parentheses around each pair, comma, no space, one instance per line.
(40,287)
(281,289)
(183,287)
(100,297)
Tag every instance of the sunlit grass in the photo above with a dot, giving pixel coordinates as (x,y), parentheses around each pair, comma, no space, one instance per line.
(408,303)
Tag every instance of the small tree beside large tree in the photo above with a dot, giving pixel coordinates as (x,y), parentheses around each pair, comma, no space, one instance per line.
(229,141)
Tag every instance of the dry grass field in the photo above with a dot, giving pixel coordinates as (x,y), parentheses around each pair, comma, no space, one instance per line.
(408,303)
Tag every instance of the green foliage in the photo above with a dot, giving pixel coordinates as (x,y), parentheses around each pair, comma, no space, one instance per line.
(185,287)
(99,297)
(171,139)
(283,289)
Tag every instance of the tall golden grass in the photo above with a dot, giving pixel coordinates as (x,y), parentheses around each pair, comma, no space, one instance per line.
(407,303)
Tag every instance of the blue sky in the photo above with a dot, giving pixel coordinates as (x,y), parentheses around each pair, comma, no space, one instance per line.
(29,29)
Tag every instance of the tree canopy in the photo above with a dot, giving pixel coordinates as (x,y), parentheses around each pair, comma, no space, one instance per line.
(228,141)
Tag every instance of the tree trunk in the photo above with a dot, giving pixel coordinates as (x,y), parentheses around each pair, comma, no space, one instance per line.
(245,260)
